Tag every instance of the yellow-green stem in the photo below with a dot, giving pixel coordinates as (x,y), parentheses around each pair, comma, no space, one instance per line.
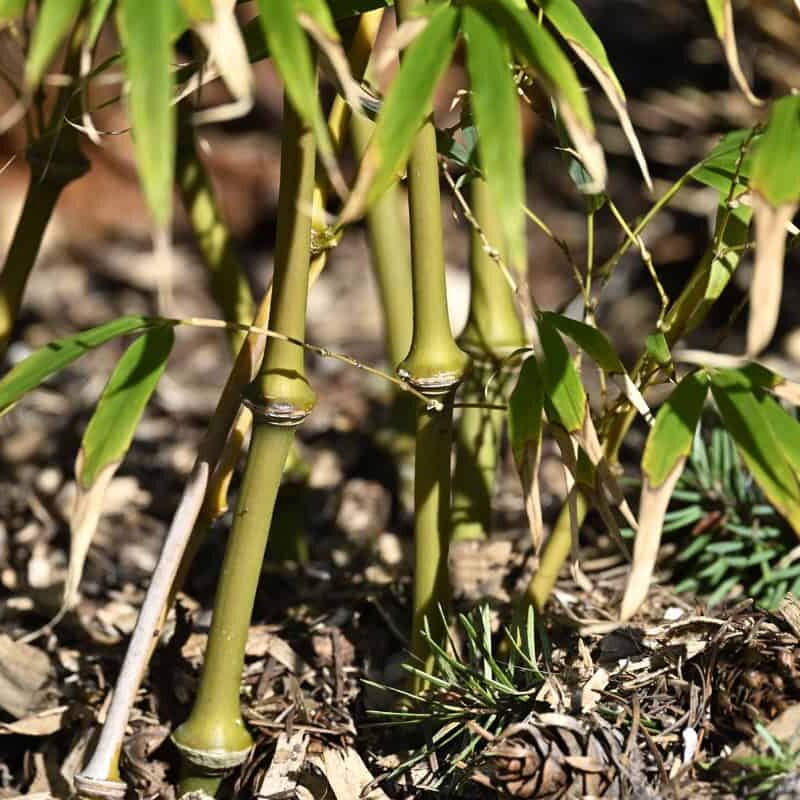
(478,438)
(214,738)
(55,161)
(215,726)
(434,365)
(228,281)
(492,332)
(431,527)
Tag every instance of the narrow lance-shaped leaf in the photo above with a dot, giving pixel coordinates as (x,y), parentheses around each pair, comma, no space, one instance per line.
(537,49)
(53,21)
(762,377)
(290,50)
(11,9)
(107,438)
(568,407)
(742,412)
(666,450)
(405,108)
(525,406)
(198,10)
(48,360)
(565,399)
(596,345)
(569,21)
(145,31)
(98,13)
(495,107)
(721,12)
(775,182)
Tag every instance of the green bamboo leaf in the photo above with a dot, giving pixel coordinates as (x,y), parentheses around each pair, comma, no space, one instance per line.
(145,31)
(11,9)
(405,108)
(198,10)
(51,358)
(107,438)
(537,49)
(721,13)
(670,438)
(592,341)
(53,22)
(744,416)
(495,107)
(567,18)
(775,182)
(776,164)
(525,405)
(565,399)
(110,430)
(786,430)
(657,348)
(98,14)
(290,50)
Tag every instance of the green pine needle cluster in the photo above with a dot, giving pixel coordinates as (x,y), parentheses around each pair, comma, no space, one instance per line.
(731,542)
(469,691)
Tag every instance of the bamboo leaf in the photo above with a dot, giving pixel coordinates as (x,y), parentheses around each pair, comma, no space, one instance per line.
(11,9)
(721,12)
(97,17)
(665,454)
(496,110)
(405,108)
(290,50)
(565,399)
(569,21)
(107,438)
(775,182)
(786,430)
(537,49)
(198,10)
(145,30)
(53,22)
(525,406)
(742,412)
(592,341)
(110,430)
(671,436)
(51,358)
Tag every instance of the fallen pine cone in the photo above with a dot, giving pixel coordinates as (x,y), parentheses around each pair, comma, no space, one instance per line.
(553,756)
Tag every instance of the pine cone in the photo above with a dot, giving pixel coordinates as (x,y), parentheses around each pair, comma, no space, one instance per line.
(552,756)
(753,681)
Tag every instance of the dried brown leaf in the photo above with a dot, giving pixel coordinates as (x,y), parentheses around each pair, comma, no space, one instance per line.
(732,55)
(223,38)
(652,508)
(620,106)
(767,283)
(24,671)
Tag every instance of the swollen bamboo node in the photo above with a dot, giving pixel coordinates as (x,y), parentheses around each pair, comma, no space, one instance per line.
(89,788)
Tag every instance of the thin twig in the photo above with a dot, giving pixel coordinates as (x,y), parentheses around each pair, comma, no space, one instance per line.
(323,352)
(646,257)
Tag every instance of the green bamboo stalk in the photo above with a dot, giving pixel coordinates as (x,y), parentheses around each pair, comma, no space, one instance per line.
(214,738)
(435,365)
(55,160)
(492,332)
(388,244)
(229,285)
